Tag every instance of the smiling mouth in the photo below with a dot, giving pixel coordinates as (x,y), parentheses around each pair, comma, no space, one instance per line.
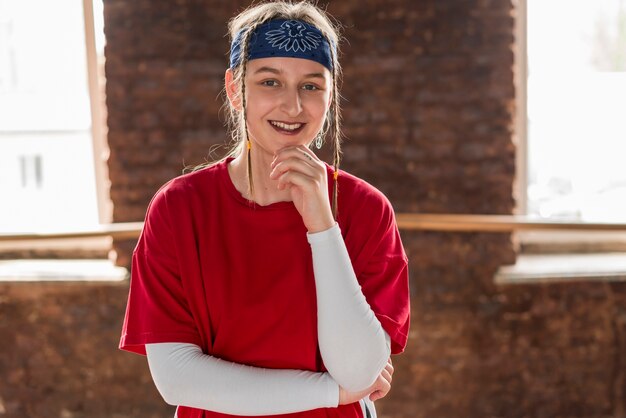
(287,128)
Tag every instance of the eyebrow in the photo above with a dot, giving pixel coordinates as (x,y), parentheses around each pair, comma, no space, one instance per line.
(276,71)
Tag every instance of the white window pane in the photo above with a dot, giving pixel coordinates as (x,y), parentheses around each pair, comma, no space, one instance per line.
(43,75)
(576,103)
(46,149)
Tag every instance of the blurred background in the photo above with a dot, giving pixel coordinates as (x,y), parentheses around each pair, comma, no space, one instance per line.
(481,107)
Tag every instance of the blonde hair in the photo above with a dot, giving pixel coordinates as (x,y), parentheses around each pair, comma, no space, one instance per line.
(246,22)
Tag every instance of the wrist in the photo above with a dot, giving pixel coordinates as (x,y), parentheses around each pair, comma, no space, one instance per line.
(322,226)
(341,395)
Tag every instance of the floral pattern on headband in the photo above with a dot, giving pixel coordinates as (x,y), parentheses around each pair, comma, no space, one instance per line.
(293,36)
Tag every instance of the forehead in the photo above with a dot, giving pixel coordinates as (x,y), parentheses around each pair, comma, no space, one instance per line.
(287,66)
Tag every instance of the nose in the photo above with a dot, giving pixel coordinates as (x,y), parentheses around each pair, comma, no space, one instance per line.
(291,103)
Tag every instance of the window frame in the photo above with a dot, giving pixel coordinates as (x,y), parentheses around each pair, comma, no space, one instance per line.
(96,81)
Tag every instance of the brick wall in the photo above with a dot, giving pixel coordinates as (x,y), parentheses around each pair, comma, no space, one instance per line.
(524,351)
(58,356)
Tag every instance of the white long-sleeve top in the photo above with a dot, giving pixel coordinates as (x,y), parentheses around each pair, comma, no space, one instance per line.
(351,339)
(353,345)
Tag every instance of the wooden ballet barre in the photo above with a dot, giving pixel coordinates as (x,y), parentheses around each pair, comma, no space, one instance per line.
(495,223)
(121,230)
(406,221)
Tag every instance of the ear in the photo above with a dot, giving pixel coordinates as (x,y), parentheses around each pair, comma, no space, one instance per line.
(232,89)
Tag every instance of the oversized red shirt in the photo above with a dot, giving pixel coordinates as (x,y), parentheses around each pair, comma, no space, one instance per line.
(214,269)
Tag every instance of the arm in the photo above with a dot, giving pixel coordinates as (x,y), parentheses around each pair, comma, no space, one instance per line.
(353,344)
(184,375)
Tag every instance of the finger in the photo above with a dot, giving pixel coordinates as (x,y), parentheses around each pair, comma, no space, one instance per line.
(295,164)
(310,152)
(296,179)
(386,384)
(374,396)
(385,373)
(300,152)
(295,161)
(380,393)
(301,148)
(389,368)
(383,382)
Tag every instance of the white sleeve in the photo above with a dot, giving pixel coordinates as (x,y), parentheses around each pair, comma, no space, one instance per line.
(184,375)
(353,344)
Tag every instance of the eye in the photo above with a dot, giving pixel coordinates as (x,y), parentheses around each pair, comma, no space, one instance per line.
(310,87)
(269,83)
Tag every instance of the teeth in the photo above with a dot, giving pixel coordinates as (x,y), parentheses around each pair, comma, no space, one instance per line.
(285,126)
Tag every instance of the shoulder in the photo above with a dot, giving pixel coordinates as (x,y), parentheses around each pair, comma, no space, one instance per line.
(361,198)
(180,191)
(367,221)
(190,183)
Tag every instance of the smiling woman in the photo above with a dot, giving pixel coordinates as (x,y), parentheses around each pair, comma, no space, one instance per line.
(270,299)
(291,97)
(281,39)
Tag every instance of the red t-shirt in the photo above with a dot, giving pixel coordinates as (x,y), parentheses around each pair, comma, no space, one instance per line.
(214,269)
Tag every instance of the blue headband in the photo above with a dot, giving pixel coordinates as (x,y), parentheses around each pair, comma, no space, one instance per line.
(284,38)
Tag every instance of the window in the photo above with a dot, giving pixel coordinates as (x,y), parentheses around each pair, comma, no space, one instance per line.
(47,170)
(571,130)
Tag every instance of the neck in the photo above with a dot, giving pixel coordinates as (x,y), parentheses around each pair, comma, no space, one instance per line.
(265,189)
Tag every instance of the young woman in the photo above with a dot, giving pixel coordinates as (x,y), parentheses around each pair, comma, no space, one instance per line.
(270,282)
